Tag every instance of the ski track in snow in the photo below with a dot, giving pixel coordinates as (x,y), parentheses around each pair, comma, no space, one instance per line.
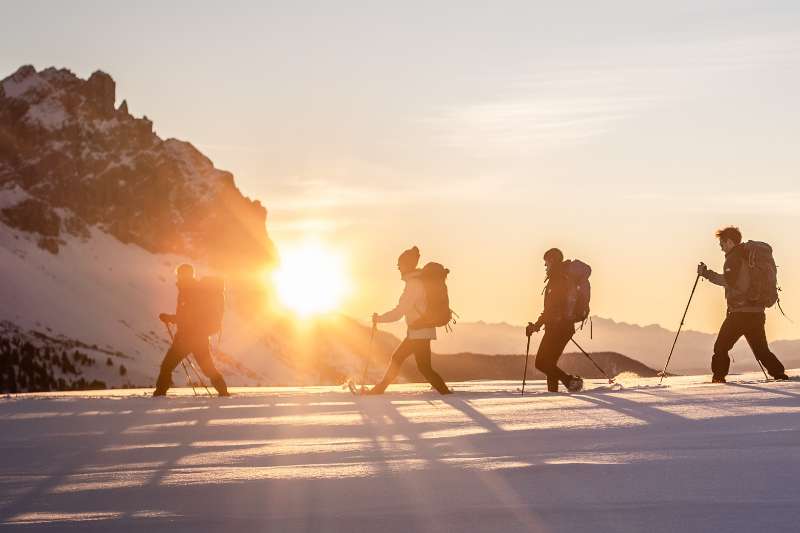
(685,456)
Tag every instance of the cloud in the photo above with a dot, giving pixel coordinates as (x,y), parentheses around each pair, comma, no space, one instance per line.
(756,203)
(571,101)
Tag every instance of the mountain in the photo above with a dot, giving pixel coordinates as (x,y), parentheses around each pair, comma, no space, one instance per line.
(96,211)
(648,344)
(70,160)
(470,366)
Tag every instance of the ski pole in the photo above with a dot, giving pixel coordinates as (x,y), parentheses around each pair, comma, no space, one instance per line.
(610,380)
(525,373)
(664,372)
(762,368)
(199,378)
(188,377)
(369,356)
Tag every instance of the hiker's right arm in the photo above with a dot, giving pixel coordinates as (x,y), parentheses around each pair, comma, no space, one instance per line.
(403,306)
(715,278)
(710,275)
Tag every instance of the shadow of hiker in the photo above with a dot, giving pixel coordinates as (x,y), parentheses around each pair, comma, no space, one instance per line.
(464,405)
(769,390)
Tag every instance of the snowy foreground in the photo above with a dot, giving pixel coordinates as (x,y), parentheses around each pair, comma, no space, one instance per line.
(688,456)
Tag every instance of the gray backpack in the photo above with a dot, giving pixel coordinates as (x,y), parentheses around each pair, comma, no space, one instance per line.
(763,288)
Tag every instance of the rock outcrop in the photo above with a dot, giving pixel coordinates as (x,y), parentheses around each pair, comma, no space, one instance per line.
(81,162)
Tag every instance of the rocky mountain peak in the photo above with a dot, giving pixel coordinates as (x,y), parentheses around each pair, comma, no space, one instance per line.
(71,160)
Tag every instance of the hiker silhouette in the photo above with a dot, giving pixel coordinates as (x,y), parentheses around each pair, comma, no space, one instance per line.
(749,279)
(558,319)
(424,305)
(198,315)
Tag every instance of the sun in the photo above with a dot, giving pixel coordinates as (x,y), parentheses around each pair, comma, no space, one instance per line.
(311,279)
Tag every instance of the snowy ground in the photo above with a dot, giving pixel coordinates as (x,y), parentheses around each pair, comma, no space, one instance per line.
(689,456)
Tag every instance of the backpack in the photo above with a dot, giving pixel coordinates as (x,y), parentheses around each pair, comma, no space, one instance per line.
(763,288)
(438,312)
(208,305)
(579,290)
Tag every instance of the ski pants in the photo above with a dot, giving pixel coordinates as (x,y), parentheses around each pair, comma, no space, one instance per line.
(182,345)
(751,325)
(555,339)
(421,348)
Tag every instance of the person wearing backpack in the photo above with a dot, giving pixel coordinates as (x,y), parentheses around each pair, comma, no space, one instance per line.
(198,312)
(563,304)
(749,279)
(424,306)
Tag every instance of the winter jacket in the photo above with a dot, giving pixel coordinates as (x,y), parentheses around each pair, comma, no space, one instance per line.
(412,305)
(555,299)
(185,309)
(736,281)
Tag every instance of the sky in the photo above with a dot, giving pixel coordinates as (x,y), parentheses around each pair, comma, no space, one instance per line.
(624,133)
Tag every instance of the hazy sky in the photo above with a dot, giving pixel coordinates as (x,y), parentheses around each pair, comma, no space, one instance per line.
(624,132)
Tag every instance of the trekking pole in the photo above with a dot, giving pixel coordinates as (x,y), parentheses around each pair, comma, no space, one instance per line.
(199,378)
(369,356)
(188,377)
(610,379)
(525,373)
(762,368)
(664,372)
(185,370)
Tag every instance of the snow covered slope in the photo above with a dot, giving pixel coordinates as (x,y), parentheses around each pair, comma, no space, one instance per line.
(106,294)
(687,456)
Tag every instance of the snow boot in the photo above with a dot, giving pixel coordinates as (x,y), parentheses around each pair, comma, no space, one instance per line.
(222,388)
(718,379)
(575,384)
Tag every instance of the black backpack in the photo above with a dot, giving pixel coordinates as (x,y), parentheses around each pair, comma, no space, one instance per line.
(438,312)
(208,305)
(579,290)
(763,288)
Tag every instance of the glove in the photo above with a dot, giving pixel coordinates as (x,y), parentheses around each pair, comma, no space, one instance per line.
(702,270)
(531,329)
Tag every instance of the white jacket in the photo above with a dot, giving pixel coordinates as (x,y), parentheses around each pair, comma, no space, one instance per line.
(412,305)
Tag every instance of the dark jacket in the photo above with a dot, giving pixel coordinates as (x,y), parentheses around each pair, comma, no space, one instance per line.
(555,298)
(185,309)
(735,278)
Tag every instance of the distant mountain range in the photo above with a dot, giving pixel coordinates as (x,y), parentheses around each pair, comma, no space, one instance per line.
(647,344)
